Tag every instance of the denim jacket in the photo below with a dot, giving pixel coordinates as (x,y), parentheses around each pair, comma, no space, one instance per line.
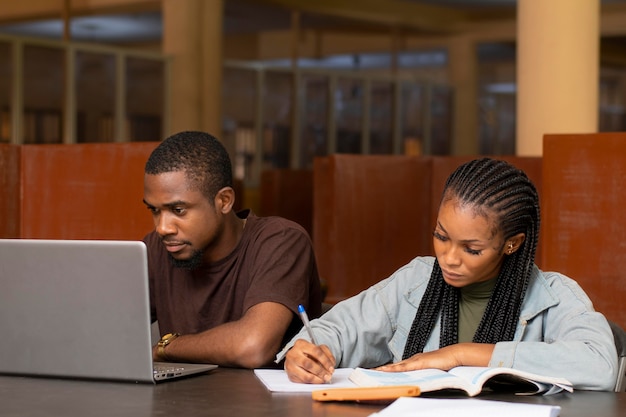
(558,334)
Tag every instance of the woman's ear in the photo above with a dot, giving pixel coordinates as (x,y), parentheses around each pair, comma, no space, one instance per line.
(225,199)
(513,243)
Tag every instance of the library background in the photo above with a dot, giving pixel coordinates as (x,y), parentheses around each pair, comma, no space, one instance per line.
(278,110)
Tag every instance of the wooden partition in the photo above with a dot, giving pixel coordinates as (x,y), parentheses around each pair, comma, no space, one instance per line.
(366,224)
(584,221)
(9,191)
(288,193)
(373,214)
(82,191)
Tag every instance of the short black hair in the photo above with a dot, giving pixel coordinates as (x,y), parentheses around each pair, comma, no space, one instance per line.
(201,156)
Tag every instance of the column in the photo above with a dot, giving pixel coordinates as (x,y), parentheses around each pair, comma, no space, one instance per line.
(557,70)
(463,74)
(192,37)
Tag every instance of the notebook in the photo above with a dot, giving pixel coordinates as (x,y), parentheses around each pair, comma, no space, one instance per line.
(78,309)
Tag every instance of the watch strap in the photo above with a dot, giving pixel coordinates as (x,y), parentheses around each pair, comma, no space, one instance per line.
(163,343)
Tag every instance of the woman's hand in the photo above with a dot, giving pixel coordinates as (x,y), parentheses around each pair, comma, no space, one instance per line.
(468,354)
(309,364)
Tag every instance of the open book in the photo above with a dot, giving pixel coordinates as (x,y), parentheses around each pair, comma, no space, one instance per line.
(470,379)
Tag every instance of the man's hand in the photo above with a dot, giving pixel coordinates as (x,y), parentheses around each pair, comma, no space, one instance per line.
(309,364)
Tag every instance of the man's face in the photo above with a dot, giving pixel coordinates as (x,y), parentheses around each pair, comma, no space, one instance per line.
(187,222)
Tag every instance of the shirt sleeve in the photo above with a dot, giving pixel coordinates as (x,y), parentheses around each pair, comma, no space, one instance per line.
(568,339)
(283,267)
(364,330)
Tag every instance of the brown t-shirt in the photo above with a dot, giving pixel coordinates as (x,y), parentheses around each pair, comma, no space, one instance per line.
(274,261)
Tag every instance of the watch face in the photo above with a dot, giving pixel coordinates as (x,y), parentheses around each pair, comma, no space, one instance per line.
(167,338)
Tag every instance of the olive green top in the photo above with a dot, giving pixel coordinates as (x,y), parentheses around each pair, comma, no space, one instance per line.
(474,299)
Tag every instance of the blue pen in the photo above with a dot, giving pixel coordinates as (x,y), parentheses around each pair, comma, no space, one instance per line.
(305,321)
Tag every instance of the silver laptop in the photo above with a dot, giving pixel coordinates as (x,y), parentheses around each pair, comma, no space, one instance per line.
(78,309)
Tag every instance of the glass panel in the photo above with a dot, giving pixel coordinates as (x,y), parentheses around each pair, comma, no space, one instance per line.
(43,94)
(6,75)
(145,84)
(612,117)
(277,107)
(95,97)
(412,118)
(349,115)
(314,111)
(440,120)
(239,97)
(497,98)
(497,124)
(381,118)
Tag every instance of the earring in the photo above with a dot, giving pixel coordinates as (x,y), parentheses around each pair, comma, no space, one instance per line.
(510,248)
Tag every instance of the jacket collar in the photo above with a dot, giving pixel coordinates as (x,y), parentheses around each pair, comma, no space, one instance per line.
(539,296)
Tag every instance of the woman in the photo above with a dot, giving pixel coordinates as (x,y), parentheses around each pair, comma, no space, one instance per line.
(480,302)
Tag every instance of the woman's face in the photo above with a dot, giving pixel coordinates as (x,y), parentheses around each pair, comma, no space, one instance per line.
(468,246)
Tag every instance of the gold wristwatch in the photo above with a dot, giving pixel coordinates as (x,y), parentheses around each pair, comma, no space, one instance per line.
(165,340)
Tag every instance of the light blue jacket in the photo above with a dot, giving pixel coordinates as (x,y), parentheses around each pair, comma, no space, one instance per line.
(558,334)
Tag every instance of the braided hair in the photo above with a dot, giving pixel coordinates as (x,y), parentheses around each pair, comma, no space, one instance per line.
(201,156)
(496,188)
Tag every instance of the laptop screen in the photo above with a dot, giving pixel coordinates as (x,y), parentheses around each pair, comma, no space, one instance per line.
(75,308)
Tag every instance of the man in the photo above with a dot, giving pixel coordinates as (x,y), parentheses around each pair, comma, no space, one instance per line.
(224,286)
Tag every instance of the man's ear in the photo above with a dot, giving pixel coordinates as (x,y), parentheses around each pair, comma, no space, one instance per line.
(225,199)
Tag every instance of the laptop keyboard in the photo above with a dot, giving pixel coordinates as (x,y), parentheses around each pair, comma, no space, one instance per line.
(167,371)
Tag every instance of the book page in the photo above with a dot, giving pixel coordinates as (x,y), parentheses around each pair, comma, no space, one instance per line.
(470,379)
(516,380)
(426,379)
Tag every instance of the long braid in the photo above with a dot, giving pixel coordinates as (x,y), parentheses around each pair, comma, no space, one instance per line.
(428,310)
(493,187)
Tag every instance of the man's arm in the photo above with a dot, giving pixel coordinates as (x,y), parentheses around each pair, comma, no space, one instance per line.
(249,342)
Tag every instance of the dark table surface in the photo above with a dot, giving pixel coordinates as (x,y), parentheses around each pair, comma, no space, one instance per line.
(226,392)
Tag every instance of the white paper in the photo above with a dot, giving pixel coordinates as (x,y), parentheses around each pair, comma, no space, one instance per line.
(276,380)
(470,407)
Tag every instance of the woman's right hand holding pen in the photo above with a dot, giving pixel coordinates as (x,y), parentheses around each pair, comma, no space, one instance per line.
(309,364)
